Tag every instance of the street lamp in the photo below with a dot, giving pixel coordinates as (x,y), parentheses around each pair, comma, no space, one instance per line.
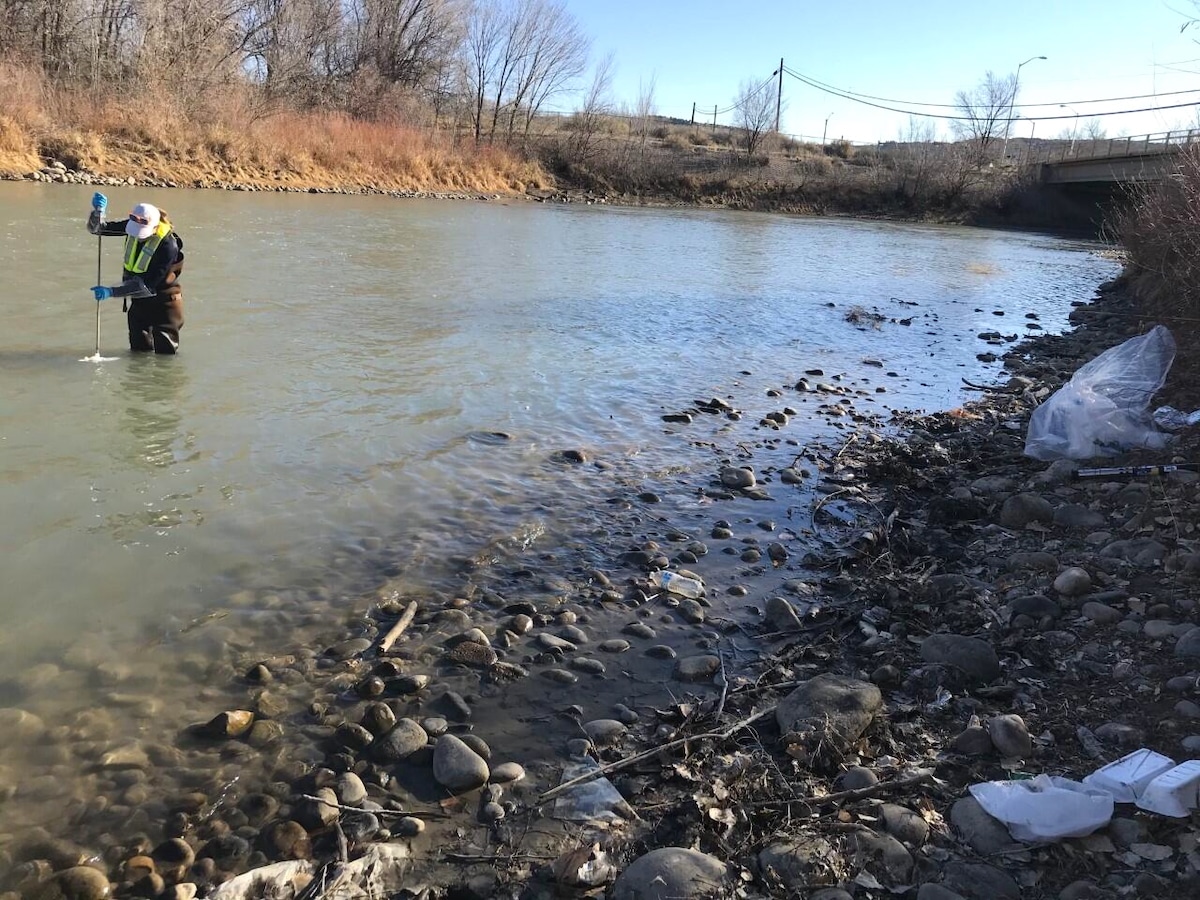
(1074,127)
(825,130)
(1011,102)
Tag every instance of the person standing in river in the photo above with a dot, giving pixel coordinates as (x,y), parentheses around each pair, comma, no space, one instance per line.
(153,264)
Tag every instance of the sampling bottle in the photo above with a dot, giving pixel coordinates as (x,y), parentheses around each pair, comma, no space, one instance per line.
(678,584)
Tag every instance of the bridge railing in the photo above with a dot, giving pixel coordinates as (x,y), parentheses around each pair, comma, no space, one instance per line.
(1062,150)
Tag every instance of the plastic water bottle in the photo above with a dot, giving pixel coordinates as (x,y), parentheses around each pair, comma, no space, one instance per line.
(678,584)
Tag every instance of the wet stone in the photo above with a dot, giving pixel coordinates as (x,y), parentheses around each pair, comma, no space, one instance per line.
(378,718)
(625,715)
(454,705)
(697,668)
(561,676)
(410,684)
(469,653)
(406,738)
(638,629)
(285,840)
(507,773)
(660,651)
(604,732)
(353,737)
(574,634)
(691,611)
(615,645)
(478,744)
(491,812)
(456,766)
(77,883)
(435,726)
(1073,582)
(551,642)
(408,826)
(587,665)
(350,789)
(264,734)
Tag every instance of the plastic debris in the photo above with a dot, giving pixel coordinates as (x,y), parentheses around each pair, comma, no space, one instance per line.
(1175,792)
(1168,418)
(1103,409)
(1127,778)
(593,801)
(1045,808)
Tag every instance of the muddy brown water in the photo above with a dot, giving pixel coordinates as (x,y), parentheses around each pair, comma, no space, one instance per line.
(370,405)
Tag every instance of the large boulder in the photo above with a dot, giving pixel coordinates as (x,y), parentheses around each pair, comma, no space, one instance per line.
(671,873)
(832,710)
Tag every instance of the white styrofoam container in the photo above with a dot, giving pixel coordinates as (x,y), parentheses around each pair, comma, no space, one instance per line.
(1126,778)
(1175,792)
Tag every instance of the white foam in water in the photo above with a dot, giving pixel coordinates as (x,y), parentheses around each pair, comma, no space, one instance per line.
(96,357)
(1128,777)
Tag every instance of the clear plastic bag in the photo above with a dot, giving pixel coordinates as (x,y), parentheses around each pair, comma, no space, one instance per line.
(1046,808)
(1103,409)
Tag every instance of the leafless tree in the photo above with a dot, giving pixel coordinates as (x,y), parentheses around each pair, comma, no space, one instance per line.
(555,56)
(596,105)
(482,50)
(404,41)
(755,112)
(644,111)
(984,112)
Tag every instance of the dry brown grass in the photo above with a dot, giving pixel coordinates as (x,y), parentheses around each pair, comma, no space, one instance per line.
(225,136)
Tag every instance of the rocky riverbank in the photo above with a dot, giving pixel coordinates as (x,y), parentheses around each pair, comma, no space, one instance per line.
(888,618)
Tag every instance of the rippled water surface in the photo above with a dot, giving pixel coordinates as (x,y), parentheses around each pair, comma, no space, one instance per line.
(328,423)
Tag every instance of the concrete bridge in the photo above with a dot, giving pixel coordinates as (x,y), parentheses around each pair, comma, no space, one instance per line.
(1141,159)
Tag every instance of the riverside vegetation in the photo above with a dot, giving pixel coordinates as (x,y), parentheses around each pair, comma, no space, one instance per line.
(226,138)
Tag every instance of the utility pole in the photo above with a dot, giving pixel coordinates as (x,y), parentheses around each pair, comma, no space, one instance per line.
(714,118)
(693,112)
(779,96)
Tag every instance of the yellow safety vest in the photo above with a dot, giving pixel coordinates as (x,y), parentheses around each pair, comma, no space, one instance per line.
(139,253)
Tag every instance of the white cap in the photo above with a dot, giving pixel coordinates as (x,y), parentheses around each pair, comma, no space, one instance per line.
(143,230)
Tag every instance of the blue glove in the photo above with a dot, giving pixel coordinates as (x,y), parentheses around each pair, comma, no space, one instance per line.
(99,202)
(101,292)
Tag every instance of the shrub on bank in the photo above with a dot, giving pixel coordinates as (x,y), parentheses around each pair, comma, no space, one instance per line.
(1161,234)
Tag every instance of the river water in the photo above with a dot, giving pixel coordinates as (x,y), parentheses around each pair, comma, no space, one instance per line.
(348,367)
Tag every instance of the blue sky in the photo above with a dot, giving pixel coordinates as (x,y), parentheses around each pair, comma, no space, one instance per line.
(924,50)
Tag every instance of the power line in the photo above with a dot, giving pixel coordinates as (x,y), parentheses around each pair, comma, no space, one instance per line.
(850,93)
(928,115)
(745,100)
